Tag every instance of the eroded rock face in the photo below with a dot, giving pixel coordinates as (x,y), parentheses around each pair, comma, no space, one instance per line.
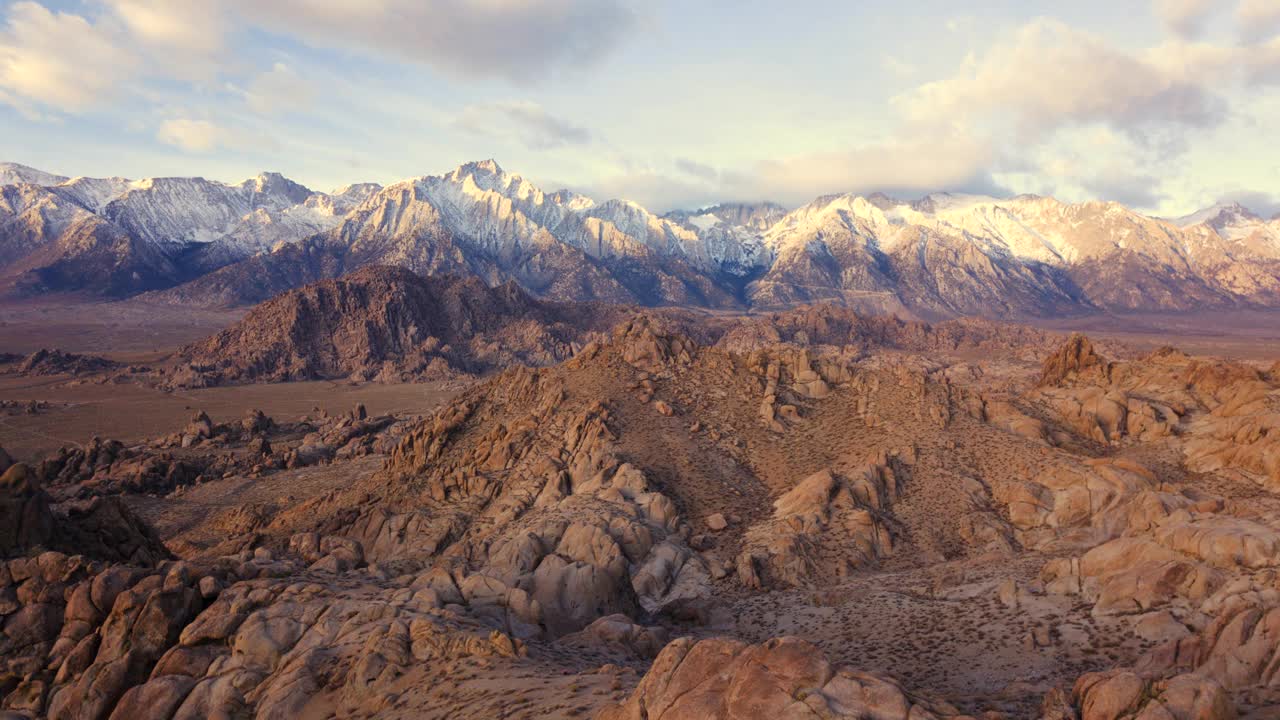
(1120,694)
(837,514)
(390,324)
(25,518)
(1075,361)
(101,528)
(97,641)
(786,678)
(1241,432)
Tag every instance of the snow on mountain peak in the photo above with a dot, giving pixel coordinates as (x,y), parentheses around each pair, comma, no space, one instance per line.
(1218,216)
(15,173)
(505,215)
(479,167)
(705,221)
(572,200)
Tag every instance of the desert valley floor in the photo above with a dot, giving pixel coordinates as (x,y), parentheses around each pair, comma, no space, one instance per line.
(652,514)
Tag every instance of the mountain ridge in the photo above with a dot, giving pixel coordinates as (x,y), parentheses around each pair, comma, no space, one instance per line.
(212,243)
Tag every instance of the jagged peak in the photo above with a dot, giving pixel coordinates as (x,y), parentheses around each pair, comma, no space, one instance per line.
(1217,215)
(486,167)
(357,188)
(12,173)
(272,182)
(573,200)
(940,201)
(623,204)
(86,178)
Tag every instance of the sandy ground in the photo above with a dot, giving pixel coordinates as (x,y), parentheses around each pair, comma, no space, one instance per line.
(129,412)
(1237,334)
(129,330)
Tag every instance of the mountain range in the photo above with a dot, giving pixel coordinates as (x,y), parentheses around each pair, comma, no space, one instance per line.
(192,240)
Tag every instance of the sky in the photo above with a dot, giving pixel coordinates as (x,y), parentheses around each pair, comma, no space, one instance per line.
(1165,105)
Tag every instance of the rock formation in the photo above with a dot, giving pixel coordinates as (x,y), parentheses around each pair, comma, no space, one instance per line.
(809,513)
(388,323)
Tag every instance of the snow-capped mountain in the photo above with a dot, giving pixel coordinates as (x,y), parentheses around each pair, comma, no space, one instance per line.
(499,211)
(1030,247)
(478,219)
(944,253)
(160,230)
(15,174)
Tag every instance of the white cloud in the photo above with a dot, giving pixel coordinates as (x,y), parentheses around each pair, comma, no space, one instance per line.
(1258,19)
(60,60)
(190,27)
(1220,66)
(1185,18)
(902,165)
(656,189)
(1051,108)
(73,63)
(528,121)
(520,40)
(197,136)
(279,89)
(1051,75)
(1265,204)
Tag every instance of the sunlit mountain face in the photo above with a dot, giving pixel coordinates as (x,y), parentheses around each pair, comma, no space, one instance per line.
(212,243)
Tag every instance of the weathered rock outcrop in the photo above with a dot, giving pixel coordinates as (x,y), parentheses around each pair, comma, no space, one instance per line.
(1075,361)
(822,529)
(101,528)
(47,361)
(390,324)
(722,679)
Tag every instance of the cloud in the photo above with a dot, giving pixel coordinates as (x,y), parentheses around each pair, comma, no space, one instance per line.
(1219,66)
(1185,18)
(519,40)
(528,121)
(657,189)
(71,63)
(1258,19)
(904,166)
(193,28)
(1051,108)
(699,170)
(1051,76)
(196,136)
(279,89)
(1265,204)
(1123,185)
(59,60)
(68,62)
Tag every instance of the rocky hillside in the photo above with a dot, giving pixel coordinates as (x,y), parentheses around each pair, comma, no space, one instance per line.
(389,323)
(785,519)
